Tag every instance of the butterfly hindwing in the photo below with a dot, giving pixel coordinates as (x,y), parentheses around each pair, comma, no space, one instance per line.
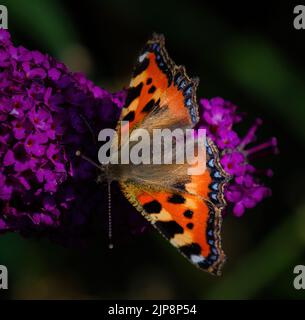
(188,215)
(188,222)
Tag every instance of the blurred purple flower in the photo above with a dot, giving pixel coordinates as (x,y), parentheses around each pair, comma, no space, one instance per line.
(245,190)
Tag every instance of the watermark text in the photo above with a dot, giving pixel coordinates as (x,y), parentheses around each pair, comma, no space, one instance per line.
(3,277)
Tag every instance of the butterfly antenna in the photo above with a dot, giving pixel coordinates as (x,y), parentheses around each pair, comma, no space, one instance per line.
(109,217)
(79,154)
(89,127)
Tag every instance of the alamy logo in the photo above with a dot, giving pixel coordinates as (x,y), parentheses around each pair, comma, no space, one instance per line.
(156,146)
(3,17)
(299,20)
(3,277)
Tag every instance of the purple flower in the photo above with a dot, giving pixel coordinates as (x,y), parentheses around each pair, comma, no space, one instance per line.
(18,105)
(233,163)
(46,114)
(5,190)
(245,190)
(35,144)
(18,158)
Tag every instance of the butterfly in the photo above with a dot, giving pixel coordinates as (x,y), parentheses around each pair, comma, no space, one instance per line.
(185,209)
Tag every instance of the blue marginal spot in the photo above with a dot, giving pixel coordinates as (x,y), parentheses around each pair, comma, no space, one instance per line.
(210,233)
(214,250)
(192,111)
(178,80)
(188,91)
(214,196)
(209,150)
(189,102)
(217,174)
(211,242)
(182,84)
(215,186)
(211,163)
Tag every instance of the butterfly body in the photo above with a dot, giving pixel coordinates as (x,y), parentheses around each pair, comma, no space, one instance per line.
(185,209)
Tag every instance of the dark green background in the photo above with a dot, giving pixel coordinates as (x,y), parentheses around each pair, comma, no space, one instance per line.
(246,52)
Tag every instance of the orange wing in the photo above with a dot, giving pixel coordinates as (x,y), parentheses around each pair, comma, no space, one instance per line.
(191,219)
(188,214)
(158,83)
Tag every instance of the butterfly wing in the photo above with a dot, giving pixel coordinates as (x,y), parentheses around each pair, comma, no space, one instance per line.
(185,209)
(189,215)
(157,83)
(189,223)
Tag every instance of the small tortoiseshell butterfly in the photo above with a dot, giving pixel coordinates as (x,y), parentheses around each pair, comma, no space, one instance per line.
(185,209)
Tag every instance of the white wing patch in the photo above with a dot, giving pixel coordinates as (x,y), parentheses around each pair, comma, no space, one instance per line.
(196,258)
